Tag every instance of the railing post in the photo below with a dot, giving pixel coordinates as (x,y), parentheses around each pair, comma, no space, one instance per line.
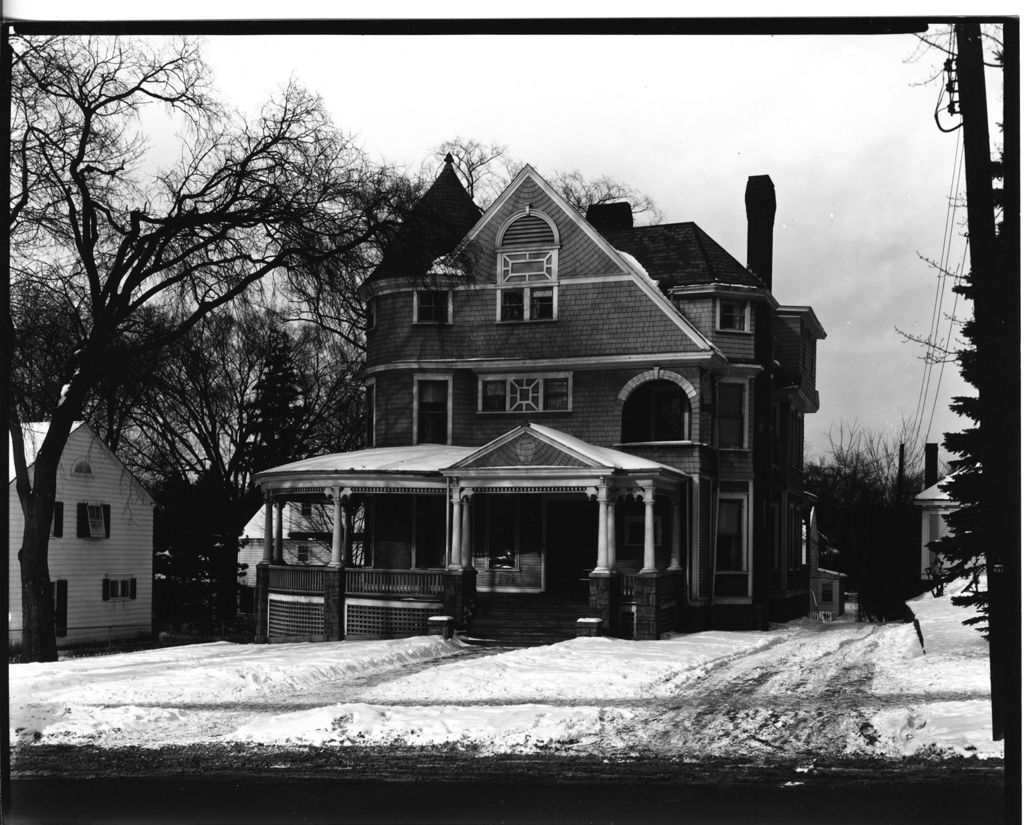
(262,599)
(334,603)
(604,599)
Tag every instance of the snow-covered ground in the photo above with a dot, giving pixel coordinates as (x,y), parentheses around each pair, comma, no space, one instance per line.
(800,690)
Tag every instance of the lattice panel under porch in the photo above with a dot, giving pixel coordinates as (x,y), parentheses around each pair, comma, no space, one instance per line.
(289,618)
(386,620)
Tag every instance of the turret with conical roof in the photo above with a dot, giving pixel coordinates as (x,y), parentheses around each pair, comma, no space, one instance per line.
(433,228)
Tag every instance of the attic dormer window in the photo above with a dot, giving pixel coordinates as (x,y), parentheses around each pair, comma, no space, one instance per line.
(528,269)
(81,468)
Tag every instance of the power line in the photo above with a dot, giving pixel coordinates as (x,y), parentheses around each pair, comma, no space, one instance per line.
(933,327)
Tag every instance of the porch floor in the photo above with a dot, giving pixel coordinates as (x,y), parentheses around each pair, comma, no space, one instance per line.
(525,619)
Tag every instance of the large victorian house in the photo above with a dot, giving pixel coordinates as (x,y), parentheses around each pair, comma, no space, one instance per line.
(568,417)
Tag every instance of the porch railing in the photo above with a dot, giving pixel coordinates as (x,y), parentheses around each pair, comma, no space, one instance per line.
(627,585)
(370,581)
(297,579)
(664,587)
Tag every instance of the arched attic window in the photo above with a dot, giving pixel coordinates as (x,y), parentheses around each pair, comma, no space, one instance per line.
(528,269)
(81,468)
(656,411)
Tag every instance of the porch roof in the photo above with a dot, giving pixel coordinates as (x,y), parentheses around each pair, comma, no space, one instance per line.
(428,464)
(418,459)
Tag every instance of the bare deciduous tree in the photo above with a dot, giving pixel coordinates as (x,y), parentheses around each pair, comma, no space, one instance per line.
(106,233)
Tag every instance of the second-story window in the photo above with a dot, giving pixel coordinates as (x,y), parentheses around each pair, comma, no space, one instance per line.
(432,306)
(732,415)
(525,393)
(528,270)
(431,411)
(733,316)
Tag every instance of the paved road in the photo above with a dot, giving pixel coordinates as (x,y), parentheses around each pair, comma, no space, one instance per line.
(837,799)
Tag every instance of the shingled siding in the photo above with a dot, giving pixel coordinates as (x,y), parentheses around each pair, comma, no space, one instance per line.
(596,415)
(540,454)
(393,413)
(578,255)
(602,318)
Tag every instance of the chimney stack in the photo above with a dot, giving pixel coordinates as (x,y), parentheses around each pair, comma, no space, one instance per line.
(931,464)
(609,217)
(760,201)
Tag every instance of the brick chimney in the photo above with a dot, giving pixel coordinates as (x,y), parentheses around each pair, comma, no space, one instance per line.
(607,217)
(760,200)
(931,464)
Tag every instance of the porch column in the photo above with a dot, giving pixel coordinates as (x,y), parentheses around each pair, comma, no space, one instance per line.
(465,547)
(279,533)
(611,533)
(455,552)
(677,527)
(649,566)
(602,530)
(337,536)
(268,529)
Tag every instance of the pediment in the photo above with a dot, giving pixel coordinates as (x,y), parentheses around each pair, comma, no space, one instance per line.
(522,449)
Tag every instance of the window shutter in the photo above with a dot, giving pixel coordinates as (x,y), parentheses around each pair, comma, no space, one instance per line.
(133,589)
(106,590)
(83,520)
(58,519)
(60,615)
(106,520)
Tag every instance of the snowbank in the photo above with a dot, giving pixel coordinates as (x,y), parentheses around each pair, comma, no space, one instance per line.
(578,671)
(804,687)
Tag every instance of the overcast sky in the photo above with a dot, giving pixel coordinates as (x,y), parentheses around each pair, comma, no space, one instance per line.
(843,124)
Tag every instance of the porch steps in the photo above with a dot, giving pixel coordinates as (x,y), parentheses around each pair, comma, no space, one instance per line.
(526,619)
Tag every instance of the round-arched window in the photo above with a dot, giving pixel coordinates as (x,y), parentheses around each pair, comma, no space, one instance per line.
(529,230)
(82,468)
(656,411)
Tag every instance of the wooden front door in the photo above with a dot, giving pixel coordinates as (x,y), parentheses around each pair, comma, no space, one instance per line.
(570,548)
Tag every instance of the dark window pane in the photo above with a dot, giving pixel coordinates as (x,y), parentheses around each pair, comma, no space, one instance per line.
(432,306)
(542,303)
(556,394)
(656,411)
(432,424)
(730,415)
(668,414)
(729,546)
(512,305)
(493,396)
(370,429)
(732,315)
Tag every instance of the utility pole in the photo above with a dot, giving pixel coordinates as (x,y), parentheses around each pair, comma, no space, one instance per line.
(989,275)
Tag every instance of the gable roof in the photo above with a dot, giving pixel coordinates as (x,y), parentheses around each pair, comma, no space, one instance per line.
(681,254)
(936,494)
(35,433)
(562,450)
(624,259)
(434,227)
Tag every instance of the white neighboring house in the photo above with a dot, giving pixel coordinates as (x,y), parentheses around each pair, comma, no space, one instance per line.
(935,504)
(101,543)
(305,539)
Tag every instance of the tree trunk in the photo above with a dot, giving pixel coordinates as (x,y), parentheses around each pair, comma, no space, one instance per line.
(38,635)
